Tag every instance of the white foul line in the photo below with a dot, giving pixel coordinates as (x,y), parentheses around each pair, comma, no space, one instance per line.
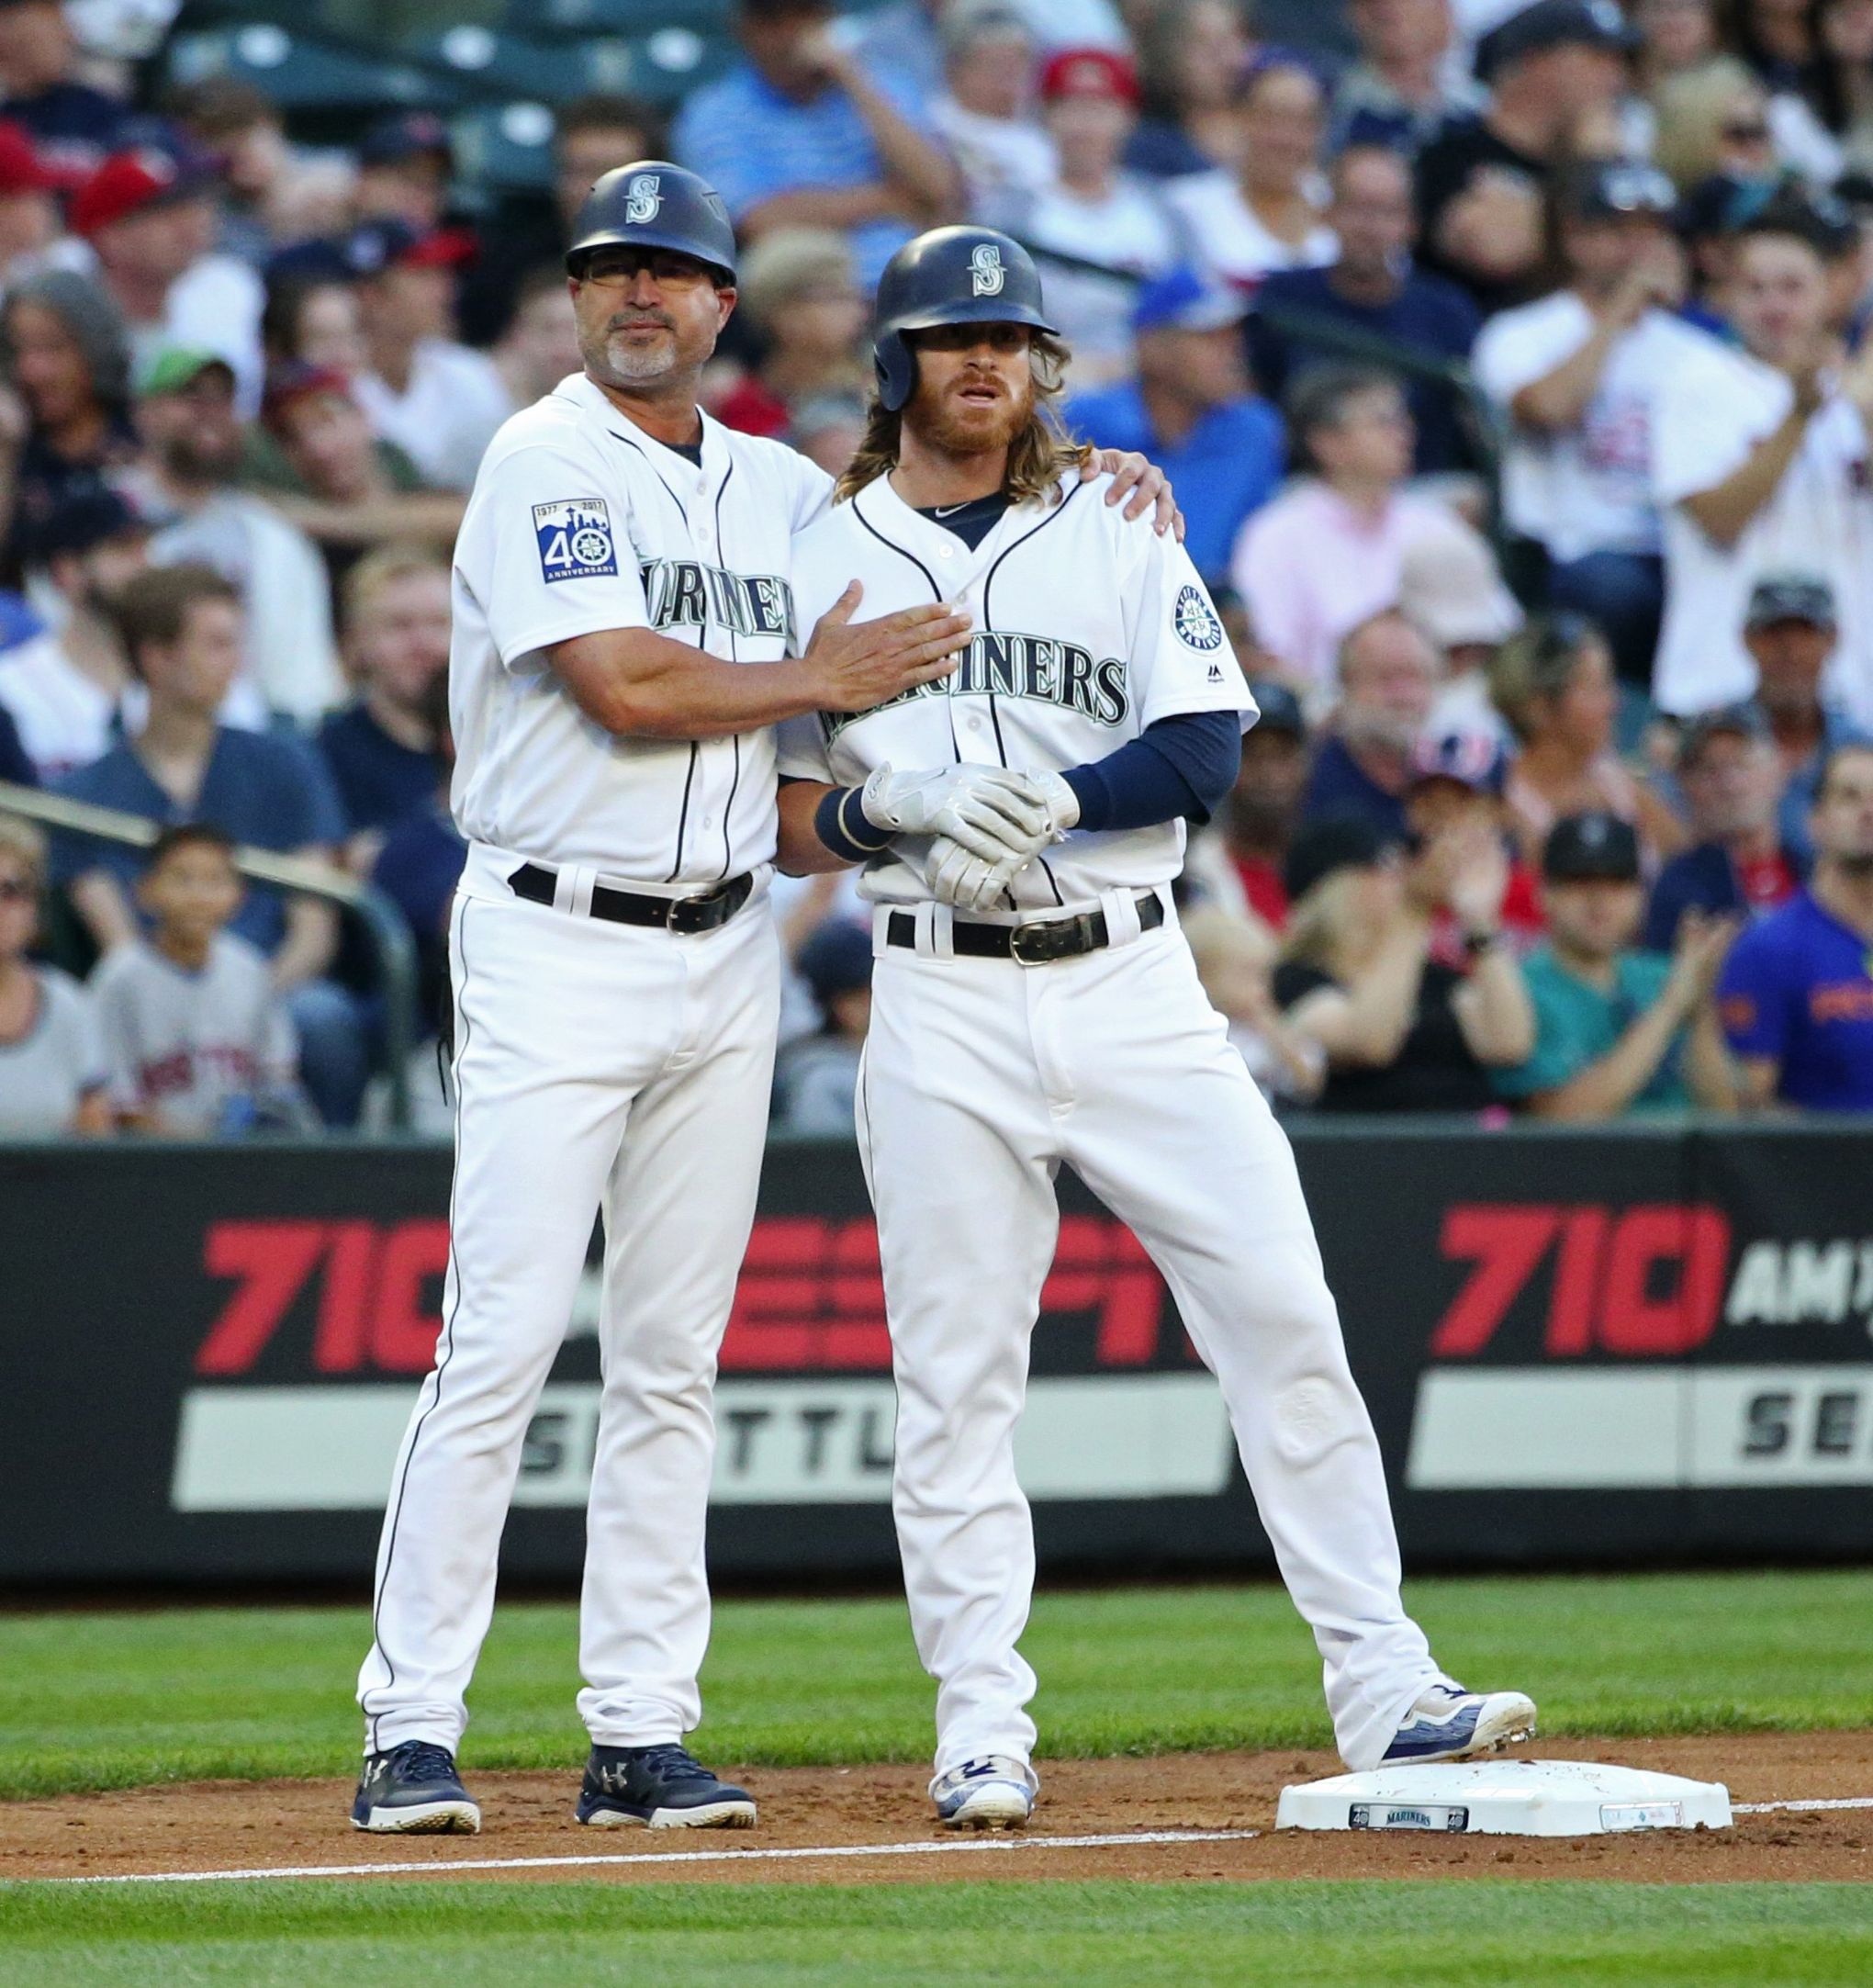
(1837,1802)
(441,1867)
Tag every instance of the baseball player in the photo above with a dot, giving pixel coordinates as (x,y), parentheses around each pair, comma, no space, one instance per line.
(624,635)
(1041,1006)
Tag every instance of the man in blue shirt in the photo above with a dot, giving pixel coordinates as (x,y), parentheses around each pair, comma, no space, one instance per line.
(1616,1030)
(182,628)
(800,136)
(1373,289)
(1367,762)
(1191,410)
(1796,993)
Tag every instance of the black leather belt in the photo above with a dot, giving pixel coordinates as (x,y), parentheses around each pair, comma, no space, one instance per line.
(535,882)
(1038,944)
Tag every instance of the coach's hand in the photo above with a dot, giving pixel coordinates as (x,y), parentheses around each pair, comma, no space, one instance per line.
(990,812)
(854,668)
(1137,478)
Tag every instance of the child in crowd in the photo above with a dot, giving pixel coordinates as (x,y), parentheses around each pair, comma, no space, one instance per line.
(198,1042)
(818,1075)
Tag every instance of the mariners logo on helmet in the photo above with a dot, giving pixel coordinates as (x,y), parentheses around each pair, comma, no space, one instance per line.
(986,275)
(643,198)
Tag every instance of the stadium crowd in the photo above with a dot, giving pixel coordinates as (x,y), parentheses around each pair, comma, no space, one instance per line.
(1561,804)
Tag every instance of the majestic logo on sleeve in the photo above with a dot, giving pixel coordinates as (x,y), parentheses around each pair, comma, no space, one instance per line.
(986,275)
(575,539)
(684,594)
(1196,621)
(643,197)
(1034,666)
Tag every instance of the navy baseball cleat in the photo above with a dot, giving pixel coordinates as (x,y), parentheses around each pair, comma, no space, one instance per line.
(1450,1724)
(994,1792)
(658,1788)
(414,1790)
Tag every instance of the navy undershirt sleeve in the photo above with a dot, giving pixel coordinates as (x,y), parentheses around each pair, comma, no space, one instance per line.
(1182,765)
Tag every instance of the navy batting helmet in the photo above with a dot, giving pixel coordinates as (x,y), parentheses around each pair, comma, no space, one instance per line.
(951,276)
(652,204)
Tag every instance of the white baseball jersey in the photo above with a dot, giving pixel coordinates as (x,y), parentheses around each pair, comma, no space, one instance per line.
(1089,628)
(581,522)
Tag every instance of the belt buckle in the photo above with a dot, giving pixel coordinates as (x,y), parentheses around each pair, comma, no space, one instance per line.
(1042,943)
(689,915)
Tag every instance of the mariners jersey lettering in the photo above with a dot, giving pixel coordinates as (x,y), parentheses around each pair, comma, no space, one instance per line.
(1088,629)
(580,522)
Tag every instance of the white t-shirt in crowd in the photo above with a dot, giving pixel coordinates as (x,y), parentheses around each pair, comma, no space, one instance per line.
(997,155)
(447,414)
(62,716)
(1818,522)
(1590,488)
(1235,245)
(52,1068)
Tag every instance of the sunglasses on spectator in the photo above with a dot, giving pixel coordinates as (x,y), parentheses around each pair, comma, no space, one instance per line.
(1745,131)
(16,890)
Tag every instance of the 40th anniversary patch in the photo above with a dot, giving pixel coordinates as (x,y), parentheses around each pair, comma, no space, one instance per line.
(575,539)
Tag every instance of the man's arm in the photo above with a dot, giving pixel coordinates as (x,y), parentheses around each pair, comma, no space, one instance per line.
(803,854)
(311,941)
(1723,512)
(637,684)
(1710,1072)
(925,182)
(100,902)
(1759,1080)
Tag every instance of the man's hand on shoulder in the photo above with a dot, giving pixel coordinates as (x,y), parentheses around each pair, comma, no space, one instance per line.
(1138,484)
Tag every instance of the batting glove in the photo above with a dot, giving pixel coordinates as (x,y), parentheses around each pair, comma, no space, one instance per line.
(968,882)
(990,810)
(1063,804)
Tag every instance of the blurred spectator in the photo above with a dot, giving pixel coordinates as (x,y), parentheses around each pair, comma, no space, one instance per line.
(1328,552)
(982,115)
(314,321)
(1789,633)
(381,752)
(187,488)
(229,118)
(1365,762)
(1553,73)
(1372,286)
(195,1037)
(818,1077)
(151,216)
(15,763)
(1581,376)
(1553,682)
(74,125)
(800,135)
(1404,87)
(339,484)
(181,627)
(1839,85)
(1265,213)
(1192,52)
(540,345)
(405,164)
(29,217)
(829,428)
(437,399)
(1728,772)
(1676,37)
(800,293)
(1240,861)
(1762,464)
(1449,585)
(1235,955)
(1797,991)
(1457,787)
(64,687)
(1400,1030)
(1617,1029)
(1711,119)
(1097,228)
(1192,411)
(65,425)
(52,1071)
(421,860)
(590,135)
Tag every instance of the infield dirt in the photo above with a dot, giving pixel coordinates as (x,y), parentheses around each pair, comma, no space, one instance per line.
(257,1827)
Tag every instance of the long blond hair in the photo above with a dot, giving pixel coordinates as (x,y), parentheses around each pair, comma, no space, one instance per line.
(1038,457)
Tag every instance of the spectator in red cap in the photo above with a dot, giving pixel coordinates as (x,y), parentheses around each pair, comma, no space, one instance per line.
(437,399)
(1267,213)
(150,216)
(1111,226)
(73,124)
(29,210)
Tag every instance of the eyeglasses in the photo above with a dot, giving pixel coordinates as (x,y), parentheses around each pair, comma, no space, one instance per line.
(1745,131)
(16,890)
(668,272)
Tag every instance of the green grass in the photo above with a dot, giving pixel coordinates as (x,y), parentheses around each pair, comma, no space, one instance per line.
(1489,1934)
(109,1700)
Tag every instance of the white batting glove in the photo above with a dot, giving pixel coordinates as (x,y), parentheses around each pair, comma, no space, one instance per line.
(965,880)
(1063,804)
(990,810)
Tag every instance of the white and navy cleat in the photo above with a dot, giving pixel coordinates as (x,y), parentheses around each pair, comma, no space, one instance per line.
(1450,1724)
(413,1790)
(994,1792)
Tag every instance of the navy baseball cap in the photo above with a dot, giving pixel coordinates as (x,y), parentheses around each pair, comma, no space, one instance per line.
(1592,847)
(1471,759)
(91,515)
(387,243)
(407,134)
(1727,721)
(1791,597)
(1334,843)
(1615,189)
(1554,24)
(1280,708)
(835,959)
